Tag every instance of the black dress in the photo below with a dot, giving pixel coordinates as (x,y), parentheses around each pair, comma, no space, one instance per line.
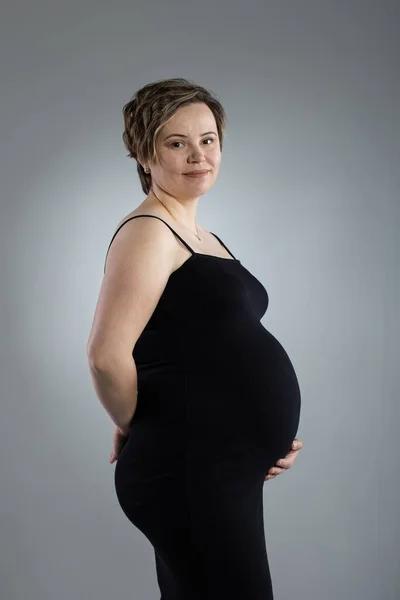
(218,404)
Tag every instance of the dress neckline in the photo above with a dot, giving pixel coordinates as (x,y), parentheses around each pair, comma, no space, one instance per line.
(195,254)
(213,256)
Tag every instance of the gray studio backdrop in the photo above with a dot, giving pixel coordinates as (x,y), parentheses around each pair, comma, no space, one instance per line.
(307,198)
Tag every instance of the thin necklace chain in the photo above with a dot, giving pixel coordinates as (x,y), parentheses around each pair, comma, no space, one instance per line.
(196,234)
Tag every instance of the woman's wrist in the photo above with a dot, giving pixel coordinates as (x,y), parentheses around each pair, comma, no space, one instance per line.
(124,430)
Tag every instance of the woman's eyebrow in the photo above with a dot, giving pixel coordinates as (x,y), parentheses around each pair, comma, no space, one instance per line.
(182,135)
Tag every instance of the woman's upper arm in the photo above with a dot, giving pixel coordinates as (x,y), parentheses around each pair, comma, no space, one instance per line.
(139,262)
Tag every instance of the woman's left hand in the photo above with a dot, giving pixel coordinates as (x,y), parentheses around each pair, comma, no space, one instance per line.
(287,462)
(119,441)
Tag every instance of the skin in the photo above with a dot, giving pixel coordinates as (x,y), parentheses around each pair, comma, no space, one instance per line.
(177,155)
(180,195)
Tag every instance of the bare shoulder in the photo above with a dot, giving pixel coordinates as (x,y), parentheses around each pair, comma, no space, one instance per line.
(136,240)
(138,211)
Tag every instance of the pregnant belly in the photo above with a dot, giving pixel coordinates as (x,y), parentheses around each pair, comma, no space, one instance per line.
(239,400)
(247,397)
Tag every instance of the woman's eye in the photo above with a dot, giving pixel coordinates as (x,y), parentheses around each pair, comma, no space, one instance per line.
(207,139)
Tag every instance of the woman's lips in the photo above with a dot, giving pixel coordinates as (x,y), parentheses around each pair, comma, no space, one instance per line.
(201,174)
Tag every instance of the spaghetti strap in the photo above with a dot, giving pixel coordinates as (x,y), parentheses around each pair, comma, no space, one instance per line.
(221,242)
(154,216)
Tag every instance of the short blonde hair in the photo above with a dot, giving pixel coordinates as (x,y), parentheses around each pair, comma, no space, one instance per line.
(152,107)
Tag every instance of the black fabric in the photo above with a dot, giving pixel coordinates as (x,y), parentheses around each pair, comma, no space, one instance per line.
(218,405)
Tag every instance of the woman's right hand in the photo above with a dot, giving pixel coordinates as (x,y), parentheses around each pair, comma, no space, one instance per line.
(119,441)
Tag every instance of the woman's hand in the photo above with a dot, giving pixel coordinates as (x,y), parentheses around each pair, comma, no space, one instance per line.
(285,463)
(119,441)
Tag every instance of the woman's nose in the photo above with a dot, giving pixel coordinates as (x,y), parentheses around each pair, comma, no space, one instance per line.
(197,156)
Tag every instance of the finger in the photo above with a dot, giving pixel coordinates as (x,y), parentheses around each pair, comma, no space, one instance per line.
(272,473)
(276,471)
(271,476)
(285,463)
(292,453)
(297,444)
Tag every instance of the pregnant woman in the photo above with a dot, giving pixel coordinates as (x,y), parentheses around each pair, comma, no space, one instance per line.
(205,398)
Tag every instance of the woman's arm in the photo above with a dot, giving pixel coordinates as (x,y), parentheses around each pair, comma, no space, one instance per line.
(116,387)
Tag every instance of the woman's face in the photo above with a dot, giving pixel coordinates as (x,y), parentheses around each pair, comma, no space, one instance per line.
(188,142)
